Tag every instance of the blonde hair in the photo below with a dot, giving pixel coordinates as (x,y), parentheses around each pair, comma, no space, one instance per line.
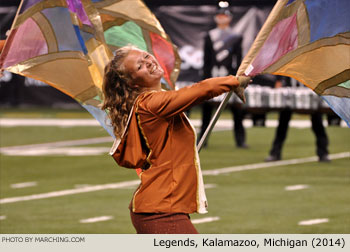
(119,95)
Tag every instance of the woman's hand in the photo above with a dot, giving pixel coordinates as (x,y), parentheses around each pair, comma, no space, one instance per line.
(234,80)
(244,81)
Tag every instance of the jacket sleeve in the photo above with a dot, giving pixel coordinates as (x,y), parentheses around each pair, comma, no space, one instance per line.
(166,104)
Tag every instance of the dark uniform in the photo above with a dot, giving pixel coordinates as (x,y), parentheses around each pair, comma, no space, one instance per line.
(283,124)
(222,56)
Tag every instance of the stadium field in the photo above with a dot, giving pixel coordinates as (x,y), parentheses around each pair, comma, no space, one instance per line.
(68,190)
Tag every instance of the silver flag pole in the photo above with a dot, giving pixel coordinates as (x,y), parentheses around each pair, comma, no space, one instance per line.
(214,120)
(244,81)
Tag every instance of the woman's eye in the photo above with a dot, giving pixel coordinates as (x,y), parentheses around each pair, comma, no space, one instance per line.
(146,56)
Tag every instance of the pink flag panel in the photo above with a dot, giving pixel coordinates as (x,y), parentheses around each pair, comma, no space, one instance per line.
(28,42)
(282,39)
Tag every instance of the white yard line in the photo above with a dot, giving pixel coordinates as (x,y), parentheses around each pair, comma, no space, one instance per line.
(313,222)
(2,217)
(221,124)
(81,185)
(71,151)
(96,219)
(207,186)
(70,192)
(136,182)
(13,122)
(41,149)
(24,184)
(296,187)
(56,148)
(205,220)
(272,164)
(87,141)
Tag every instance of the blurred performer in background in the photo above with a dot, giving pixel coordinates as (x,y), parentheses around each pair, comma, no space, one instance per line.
(222,57)
(283,124)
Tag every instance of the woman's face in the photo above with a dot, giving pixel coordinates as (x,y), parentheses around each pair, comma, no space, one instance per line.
(143,68)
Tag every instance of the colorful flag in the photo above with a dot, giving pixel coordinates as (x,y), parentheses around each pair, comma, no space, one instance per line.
(131,22)
(67,43)
(308,40)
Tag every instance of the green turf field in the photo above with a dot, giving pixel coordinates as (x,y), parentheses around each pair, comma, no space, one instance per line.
(252,201)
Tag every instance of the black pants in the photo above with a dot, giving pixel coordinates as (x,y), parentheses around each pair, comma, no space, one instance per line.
(238,116)
(317,128)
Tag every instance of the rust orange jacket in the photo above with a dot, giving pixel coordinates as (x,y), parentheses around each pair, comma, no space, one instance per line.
(160,139)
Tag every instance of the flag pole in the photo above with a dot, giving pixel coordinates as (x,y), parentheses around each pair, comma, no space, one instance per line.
(244,81)
(15,19)
(214,120)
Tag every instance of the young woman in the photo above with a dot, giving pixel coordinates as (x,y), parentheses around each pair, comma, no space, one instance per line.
(154,135)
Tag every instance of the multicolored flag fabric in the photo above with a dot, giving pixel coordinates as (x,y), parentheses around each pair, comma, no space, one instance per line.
(308,40)
(67,43)
(131,22)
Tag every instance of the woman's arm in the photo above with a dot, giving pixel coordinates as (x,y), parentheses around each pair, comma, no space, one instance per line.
(168,103)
